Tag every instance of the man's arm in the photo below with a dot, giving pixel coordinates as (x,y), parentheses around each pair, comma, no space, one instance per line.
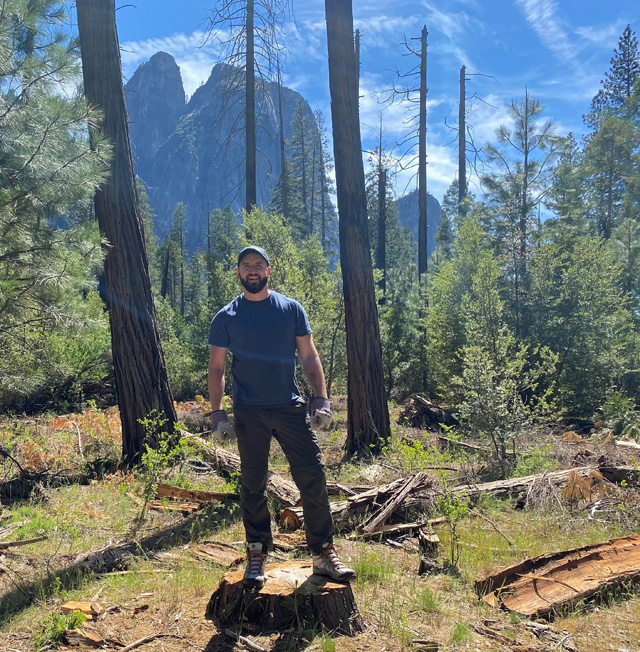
(311,365)
(217,363)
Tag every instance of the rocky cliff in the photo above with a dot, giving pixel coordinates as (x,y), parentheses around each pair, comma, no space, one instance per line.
(194,152)
(408,216)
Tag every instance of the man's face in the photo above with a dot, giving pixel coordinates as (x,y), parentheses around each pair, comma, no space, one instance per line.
(253,272)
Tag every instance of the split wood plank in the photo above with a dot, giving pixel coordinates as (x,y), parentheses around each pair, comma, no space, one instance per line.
(280,489)
(542,585)
(90,609)
(78,637)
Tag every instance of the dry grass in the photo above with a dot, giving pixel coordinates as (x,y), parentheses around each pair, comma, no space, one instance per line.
(167,588)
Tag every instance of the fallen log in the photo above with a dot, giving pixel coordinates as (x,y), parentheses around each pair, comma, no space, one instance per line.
(317,600)
(516,486)
(279,489)
(169,491)
(545,584)
(618,474)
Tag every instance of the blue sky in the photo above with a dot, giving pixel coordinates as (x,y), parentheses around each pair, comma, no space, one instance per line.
(558,49)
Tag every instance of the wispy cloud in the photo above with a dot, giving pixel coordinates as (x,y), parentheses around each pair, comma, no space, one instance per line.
(603,36)
(543,17)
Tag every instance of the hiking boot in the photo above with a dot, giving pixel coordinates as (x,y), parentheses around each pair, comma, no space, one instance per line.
(328,563)
(254,572)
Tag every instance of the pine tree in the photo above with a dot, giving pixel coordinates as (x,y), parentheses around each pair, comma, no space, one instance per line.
(50,251)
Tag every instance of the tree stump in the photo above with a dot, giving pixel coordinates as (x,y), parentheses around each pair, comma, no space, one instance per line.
(291,597)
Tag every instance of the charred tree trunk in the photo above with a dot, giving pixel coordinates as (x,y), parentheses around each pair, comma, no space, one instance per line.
(250,113)
(140,372)
(368,413)
(422,157)
(462,144)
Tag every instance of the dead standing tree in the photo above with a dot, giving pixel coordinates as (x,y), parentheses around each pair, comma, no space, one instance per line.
(249,31)
(368,413)
(139,367)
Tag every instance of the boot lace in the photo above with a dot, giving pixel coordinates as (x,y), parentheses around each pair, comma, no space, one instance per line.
(255,563)
(330,553)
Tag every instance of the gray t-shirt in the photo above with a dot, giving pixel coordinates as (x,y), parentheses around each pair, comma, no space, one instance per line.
(261,335)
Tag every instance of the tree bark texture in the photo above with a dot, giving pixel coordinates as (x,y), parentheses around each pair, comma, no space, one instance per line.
(140,373)
(368,413)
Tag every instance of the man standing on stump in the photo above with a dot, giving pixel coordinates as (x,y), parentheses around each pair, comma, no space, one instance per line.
(263,330)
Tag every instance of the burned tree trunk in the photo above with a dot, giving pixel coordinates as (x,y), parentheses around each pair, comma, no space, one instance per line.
(139,367)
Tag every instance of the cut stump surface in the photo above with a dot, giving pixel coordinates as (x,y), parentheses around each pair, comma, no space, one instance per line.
(291,597)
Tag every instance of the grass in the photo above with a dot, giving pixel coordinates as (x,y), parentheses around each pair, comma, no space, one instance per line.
(168,587)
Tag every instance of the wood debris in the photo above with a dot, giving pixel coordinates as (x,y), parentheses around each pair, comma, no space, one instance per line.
(91,610)
(192,495)
(84,637)
(219,553)
(544,584)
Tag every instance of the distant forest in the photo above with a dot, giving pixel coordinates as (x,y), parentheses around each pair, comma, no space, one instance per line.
(529,306)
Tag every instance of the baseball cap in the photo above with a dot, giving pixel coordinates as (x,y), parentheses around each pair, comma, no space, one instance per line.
(253,250)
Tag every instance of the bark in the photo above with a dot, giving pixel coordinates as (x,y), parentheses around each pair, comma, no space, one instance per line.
(318,601)
(140,373)
(368,413)
(542,585)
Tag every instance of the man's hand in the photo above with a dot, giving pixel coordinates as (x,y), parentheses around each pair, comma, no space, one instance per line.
(221,428)
(320,411)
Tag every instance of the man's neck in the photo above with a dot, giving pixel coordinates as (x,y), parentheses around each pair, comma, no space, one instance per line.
(260,296)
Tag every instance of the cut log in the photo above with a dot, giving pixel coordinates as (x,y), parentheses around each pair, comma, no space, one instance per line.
(292,597)
(516,486)
(90,609)
(279,489)
(542,585)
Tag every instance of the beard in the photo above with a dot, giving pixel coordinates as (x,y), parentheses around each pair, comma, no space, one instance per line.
(254,287)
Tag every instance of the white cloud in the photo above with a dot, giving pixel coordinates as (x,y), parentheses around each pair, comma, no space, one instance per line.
(543,17)
(602,36)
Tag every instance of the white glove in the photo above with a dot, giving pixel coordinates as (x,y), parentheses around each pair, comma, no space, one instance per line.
(320,410)
(221,428)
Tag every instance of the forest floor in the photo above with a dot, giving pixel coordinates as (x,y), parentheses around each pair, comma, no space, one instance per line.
(161,589)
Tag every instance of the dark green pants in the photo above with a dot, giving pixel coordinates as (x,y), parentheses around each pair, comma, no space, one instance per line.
(290,426)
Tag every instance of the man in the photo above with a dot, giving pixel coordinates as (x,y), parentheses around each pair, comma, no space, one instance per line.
(263,330)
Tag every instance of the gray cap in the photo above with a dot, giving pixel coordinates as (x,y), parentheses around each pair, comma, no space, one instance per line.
(253,250)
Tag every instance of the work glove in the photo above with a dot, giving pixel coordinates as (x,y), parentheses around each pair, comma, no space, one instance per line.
(320,410)
(221,428)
